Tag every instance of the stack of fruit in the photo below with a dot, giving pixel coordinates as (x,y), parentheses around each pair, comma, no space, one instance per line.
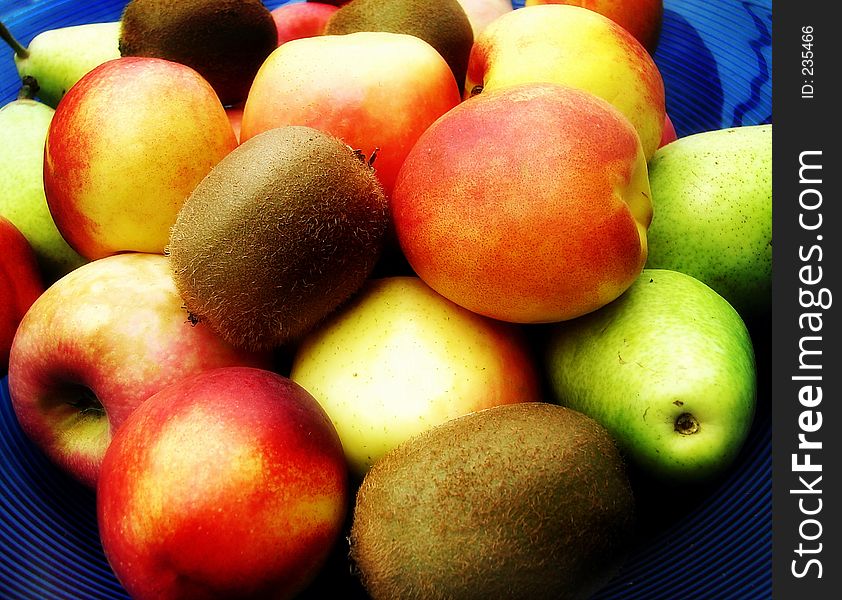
(439,279)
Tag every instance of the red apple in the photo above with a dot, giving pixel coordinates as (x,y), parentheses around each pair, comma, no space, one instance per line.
(228,484)
(482,12)
(641,18)
(96,344)
(302,19)
(669,134)
(576,47)
(20,285)
(125,148)
(375,91)
(527,204)
(235,117)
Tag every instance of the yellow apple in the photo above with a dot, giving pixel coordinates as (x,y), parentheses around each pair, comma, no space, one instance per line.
(401,358)
(642,18)
(575,47)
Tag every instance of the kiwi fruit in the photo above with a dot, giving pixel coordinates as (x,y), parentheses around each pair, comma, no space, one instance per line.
(442,24)
(525,500)
(280,232)
(226,41)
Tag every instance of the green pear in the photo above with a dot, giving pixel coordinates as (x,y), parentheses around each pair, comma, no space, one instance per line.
(23,127)
(58,58)
(668,368)
(712,205)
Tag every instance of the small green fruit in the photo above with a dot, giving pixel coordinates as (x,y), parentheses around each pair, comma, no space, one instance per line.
(23,127)
(712,204)
(668,368)
(58,58)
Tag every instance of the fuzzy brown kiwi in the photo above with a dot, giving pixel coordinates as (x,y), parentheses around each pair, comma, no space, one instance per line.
(226,41)
(280,232)
(443,24)
(517,501)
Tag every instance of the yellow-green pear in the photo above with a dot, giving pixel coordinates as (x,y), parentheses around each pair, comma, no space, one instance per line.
(23,129)
(58,58)
(712,206)
(668,368)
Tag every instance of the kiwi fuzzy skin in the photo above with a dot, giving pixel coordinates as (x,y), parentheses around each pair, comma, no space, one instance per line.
(226,41)
(443,24)
(518,501)
(280,233)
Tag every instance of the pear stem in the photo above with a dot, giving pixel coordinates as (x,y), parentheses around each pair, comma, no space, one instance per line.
(7,36)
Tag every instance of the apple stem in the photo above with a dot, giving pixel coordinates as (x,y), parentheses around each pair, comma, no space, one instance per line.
(7,36)
(686,424)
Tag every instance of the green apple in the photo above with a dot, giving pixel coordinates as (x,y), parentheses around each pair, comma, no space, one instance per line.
(58,58)
(668,368)
(712,203)
(400,359)
(23,128)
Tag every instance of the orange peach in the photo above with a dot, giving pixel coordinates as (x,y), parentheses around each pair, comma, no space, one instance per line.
(669,135)
(528,204)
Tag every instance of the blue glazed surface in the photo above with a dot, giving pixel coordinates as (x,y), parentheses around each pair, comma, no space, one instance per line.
(713,542)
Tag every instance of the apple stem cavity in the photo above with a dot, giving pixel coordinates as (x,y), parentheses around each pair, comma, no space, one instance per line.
(7,36)
(687,424)
(85,401)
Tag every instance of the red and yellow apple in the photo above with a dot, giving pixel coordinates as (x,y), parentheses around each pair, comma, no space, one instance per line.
(21,284)
(235,117)
(482,12)
(227,484)
(669,135)
(96,344)
(125,148)
(301,19)
(641,18)
(375,91)
(527,204)
(400,359)
(576,47)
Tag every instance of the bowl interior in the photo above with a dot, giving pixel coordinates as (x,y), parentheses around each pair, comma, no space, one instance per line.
(708,542)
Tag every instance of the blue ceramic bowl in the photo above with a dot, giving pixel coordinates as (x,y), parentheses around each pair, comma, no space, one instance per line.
(700,543)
